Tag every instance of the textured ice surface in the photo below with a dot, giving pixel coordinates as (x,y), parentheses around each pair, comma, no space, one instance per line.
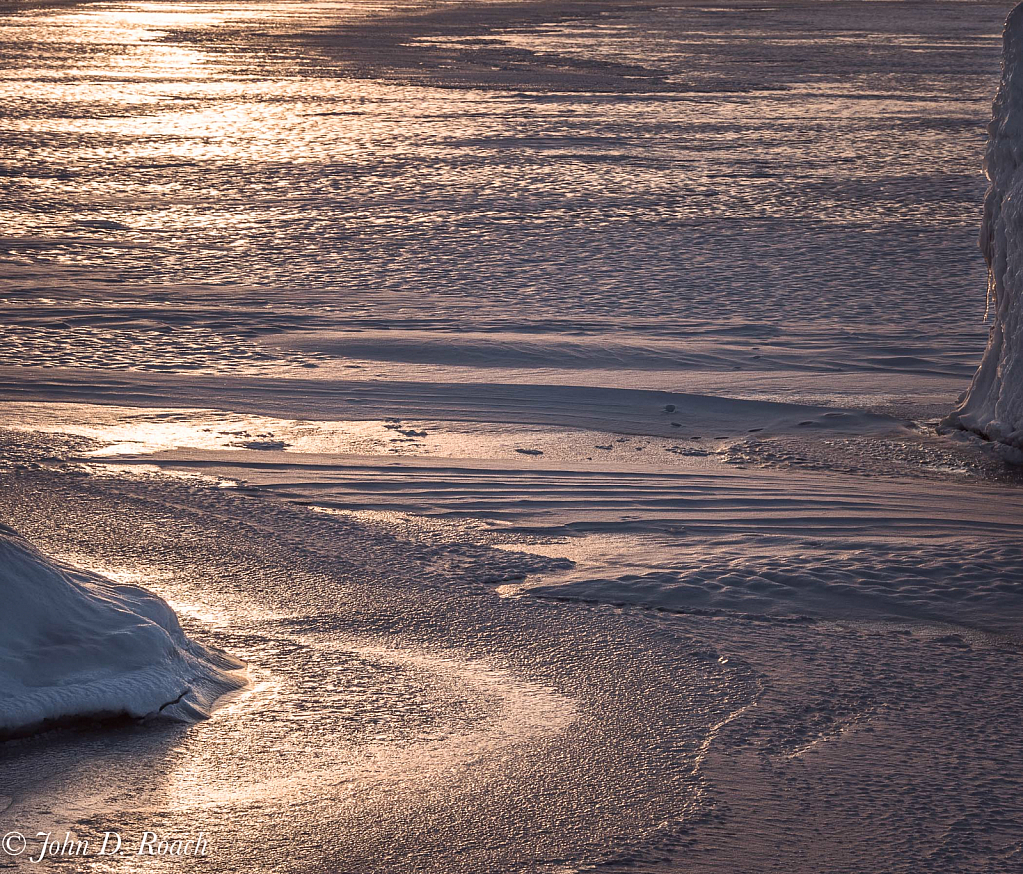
(623,285)
(73,644)
(405,720)
(434,175)
(993,406)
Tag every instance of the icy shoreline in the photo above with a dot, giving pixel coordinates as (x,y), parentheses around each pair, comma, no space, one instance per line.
(78,646)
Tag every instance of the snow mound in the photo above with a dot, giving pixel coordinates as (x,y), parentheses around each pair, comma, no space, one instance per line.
(75,645)
(993,405)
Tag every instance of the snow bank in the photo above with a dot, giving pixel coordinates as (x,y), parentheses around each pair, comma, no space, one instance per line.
(73,644)
(993,406)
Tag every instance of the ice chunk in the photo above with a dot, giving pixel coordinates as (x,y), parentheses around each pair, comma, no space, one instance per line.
(993,406)
(76,645)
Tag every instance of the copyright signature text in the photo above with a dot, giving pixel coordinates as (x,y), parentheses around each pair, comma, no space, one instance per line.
(35,848)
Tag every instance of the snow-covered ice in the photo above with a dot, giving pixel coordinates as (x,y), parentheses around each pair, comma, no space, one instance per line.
(993,406)
(74,645)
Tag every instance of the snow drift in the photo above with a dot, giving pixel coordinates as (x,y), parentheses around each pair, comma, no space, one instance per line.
(993,405)
(75,645)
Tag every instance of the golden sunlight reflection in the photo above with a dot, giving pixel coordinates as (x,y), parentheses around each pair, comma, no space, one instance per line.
(113,432)
(368,767)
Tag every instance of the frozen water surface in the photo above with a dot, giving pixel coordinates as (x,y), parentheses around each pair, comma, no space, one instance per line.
(541,400)
(760,175)
(403,716)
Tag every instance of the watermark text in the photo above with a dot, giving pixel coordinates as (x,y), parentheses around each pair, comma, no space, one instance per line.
(41,846)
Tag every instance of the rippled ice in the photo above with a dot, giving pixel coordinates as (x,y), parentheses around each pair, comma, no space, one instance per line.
(243,169)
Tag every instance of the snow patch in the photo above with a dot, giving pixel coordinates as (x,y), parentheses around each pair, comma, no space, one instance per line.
(76,645)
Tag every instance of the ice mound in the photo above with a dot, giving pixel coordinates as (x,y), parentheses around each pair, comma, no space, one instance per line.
(993,406)
(75,645)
